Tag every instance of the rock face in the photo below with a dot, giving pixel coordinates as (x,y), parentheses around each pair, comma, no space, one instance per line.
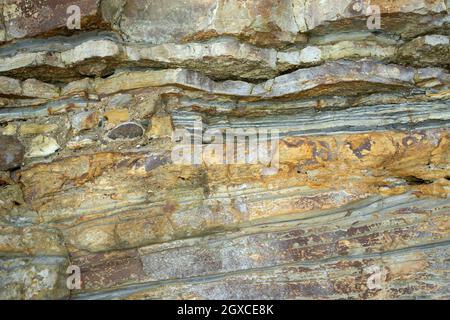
(100,132)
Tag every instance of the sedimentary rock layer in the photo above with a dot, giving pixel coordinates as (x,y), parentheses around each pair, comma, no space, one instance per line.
(353,206)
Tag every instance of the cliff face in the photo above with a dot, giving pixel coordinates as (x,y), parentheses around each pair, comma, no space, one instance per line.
(354,205)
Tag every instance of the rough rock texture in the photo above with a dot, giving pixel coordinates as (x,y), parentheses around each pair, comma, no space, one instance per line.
(26,18)
(356,208)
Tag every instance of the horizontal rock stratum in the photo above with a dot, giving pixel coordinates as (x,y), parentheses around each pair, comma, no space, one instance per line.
(90,119)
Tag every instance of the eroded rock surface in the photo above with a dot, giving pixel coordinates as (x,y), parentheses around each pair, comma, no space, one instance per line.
(89,121)
(11,153)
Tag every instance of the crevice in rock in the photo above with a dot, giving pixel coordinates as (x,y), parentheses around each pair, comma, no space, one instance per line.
(412,180)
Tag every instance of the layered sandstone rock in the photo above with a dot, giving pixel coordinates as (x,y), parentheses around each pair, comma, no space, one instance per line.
(355,205)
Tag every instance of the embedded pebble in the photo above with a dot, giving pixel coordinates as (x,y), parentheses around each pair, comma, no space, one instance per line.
(126,131)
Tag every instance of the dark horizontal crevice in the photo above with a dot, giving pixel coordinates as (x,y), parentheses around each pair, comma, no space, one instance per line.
(412,180)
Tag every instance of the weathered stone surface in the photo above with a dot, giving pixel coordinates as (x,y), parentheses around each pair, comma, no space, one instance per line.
(10,86)
(11,152)
(430,50)
(406,275)
(42,146)
(162,126)
(116,116)
(46,109)
(32,128)
(329,78)
(30,88)
(9,130)
(85,120)
(31,241)
(89,132)
(33,278)
(262,22)
(221,58)
(23,18)
(35,88)
(260,249)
